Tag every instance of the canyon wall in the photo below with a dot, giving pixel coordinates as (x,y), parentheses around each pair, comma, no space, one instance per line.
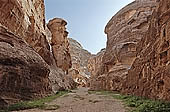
(27,20)
(149,75)
(124,31)
(23,73)
(59,43)
(95,67)
(29,66)
(79,58)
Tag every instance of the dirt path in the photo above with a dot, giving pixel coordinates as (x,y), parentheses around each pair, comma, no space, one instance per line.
(81,101)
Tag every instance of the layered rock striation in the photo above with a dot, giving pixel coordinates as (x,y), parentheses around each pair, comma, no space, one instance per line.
(28,59)
(95,67)
(149,75)
(95,62)
(58,40)
(27,20)
(79,58)
(23,73)
(124,31)
(59,43)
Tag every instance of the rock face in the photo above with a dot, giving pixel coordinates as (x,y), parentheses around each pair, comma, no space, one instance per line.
(95,62)
(60,80)
(149,75)
(23,73)
(26,59)
(59,43)
(27,20)
(60,50)
(79,58)
(124,31)
(95,66)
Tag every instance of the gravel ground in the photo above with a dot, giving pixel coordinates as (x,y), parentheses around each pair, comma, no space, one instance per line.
(81,101)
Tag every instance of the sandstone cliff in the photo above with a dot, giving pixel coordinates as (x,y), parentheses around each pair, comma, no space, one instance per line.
(149,75)
(95,68)
(27,61)
(124,31)
(79,58)
(95,62)
(60,49)
(59,43)
(23,73)
(27,20)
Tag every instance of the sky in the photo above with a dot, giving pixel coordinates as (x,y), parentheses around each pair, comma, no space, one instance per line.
(86,19)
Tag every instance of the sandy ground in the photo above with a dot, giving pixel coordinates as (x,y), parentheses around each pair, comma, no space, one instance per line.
(81,101)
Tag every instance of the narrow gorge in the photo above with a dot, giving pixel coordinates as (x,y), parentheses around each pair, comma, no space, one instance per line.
(39,59)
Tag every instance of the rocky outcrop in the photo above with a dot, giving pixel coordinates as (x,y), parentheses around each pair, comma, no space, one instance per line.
(60,80)
(27,61)
(95,66)
(23,73)
(124,31)
(27,20)
(149,75)
(60,49)
(79,58)
(59,43)
(95,62)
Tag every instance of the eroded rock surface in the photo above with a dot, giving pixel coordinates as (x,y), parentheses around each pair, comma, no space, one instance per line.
(149,75)
(60,50)
(124,31)
(26,19)
(94,67)
(95,62)
(26,75)
(79,58)
(60,80)
(59,43)
(23,73)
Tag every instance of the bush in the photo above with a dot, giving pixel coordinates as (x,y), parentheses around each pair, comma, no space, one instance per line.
(144,105)
(39,103)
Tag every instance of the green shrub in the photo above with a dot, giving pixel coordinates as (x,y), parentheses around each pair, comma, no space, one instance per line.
(39,103)
(140,104)
(153,106)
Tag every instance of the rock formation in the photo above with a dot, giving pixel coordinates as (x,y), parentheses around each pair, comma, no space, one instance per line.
(59,43)
(27,20)
(60,49)
(26,59)
(23,73)
(149,75)
(79,58)
(95,62)
(94,67)
(124,31)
